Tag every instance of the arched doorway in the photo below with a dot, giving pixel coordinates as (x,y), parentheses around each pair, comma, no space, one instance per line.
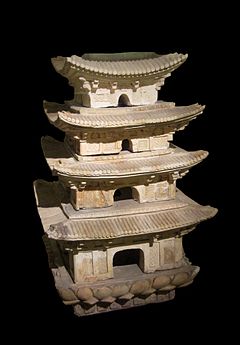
(123,101)
(126,193)
(129,257)
(126,145)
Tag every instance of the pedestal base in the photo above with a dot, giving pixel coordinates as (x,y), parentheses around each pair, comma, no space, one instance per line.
(129,288)
(82,309)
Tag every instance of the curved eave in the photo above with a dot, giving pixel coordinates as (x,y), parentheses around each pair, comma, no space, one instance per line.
(166,221)
(114,119)
(161,164)
(149,68)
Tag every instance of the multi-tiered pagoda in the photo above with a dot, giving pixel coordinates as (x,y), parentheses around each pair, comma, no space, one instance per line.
(114,219)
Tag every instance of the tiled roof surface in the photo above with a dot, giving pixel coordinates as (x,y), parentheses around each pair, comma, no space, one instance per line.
(162,163)
(107,223)
(128,67)
(121,226)
(116,117)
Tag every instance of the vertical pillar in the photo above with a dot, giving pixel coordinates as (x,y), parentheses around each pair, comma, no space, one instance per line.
(83,266)
(100,268)
(153,257)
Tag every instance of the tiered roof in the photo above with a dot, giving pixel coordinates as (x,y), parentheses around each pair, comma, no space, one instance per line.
(67,117)
(59,219)
(131,225)
(143,66)
(139,164)
(147,218)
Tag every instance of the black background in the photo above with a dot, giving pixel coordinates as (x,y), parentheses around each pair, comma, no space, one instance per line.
(199,307)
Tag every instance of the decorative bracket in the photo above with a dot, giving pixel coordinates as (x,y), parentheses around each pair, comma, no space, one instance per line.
(135,85)
(113,86)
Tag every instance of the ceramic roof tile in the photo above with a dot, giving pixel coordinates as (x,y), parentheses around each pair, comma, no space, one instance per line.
(116,117)
(172,161)
(115,227)
(133,67)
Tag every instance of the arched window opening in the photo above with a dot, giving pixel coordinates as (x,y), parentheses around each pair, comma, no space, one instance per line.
(125,145)
(123,101)
(124,193)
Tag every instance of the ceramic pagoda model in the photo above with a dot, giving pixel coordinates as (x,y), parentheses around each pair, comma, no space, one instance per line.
(114,219)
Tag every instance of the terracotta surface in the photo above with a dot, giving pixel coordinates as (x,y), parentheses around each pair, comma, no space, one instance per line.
(114,220)
(103,80)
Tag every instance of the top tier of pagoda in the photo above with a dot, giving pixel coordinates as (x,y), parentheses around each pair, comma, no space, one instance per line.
(108,82)
(105,80)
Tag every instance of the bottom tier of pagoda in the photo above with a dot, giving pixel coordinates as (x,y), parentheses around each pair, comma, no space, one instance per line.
(120,256)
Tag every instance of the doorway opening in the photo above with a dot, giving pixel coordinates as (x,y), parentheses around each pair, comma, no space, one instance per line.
(123,101)
(126,145)
(124,193)
(128,262)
